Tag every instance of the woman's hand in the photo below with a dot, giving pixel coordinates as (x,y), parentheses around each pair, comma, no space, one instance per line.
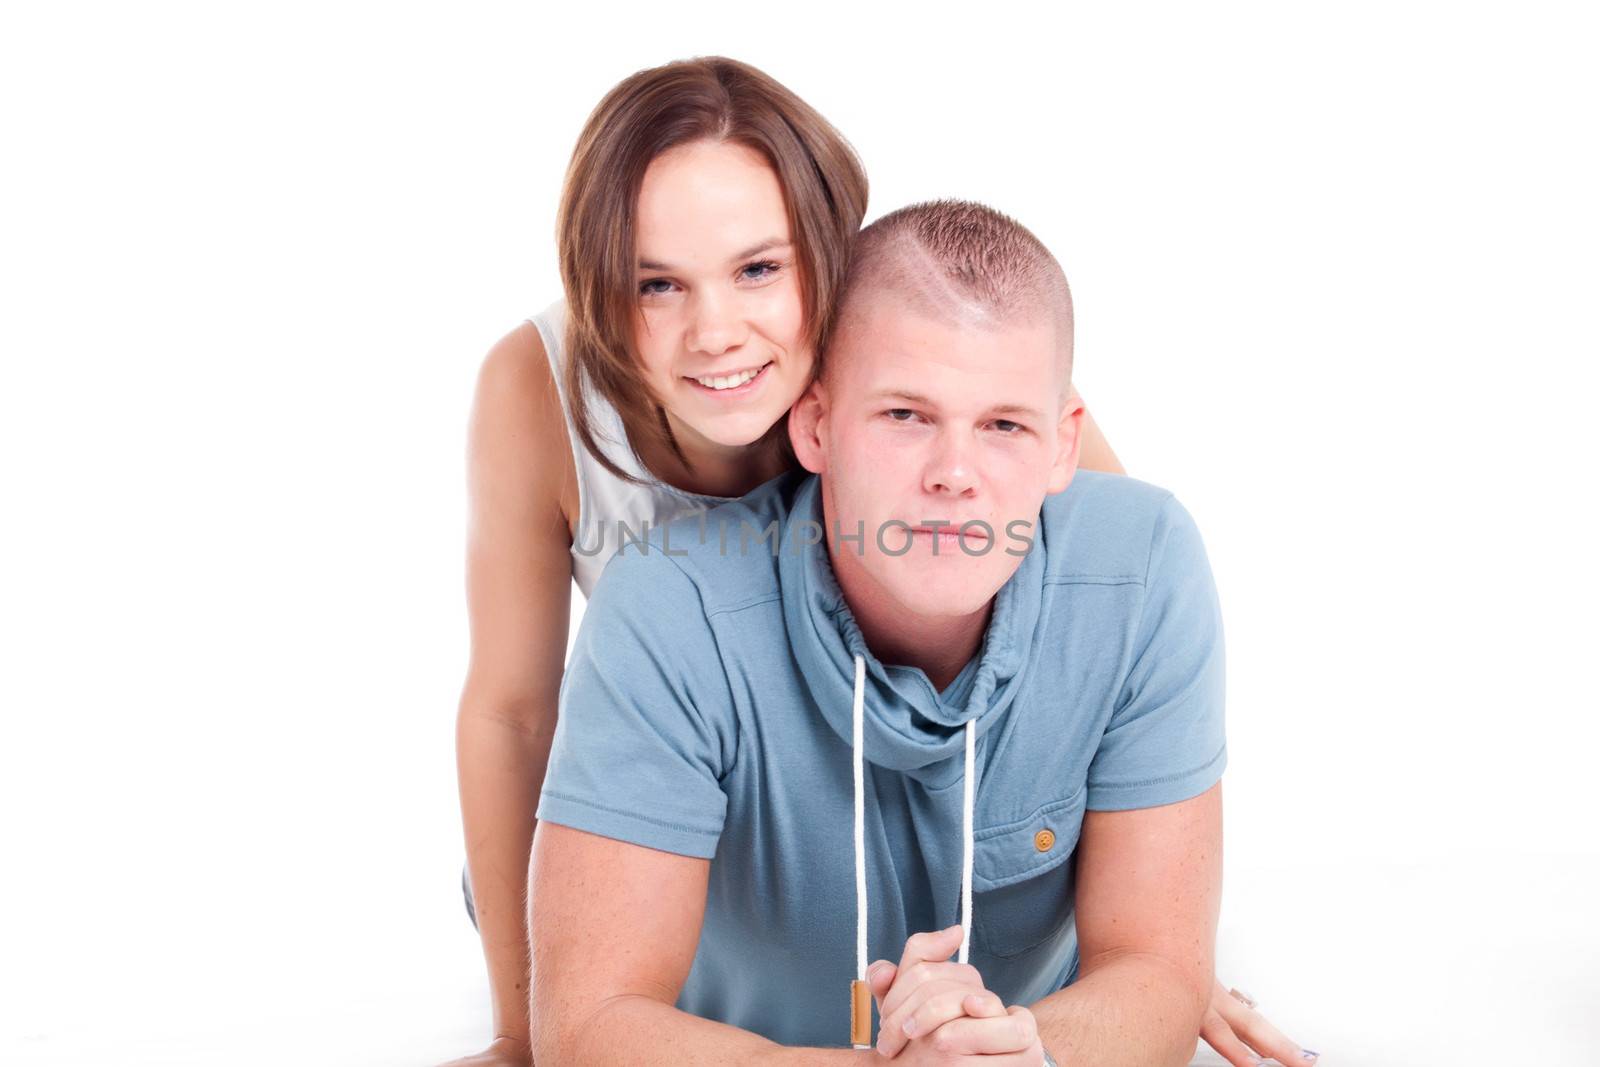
(503,1052)
(1234,1028)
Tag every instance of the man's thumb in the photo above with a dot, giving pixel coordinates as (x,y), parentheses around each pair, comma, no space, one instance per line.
(880,976)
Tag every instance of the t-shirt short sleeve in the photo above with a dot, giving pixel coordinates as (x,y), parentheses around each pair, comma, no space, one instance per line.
(1165,740)
(645,730)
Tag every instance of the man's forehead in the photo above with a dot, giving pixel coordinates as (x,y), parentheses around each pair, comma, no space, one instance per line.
(887,339)
(889,345)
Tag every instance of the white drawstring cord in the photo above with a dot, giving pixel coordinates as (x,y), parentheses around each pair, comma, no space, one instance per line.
(968,792)
(860,995)
(861,823)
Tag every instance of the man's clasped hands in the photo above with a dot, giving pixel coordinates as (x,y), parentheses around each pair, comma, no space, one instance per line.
(934,1012)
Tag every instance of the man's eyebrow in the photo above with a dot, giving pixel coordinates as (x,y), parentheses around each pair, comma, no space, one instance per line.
(900,394)
(1017,409)
(754,250)
(918,398)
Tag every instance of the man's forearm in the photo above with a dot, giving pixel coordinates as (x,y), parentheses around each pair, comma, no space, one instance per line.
(638,1030)
(1136,1011)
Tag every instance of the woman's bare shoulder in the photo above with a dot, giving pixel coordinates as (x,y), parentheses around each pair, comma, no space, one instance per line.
(518,441)
(521,487)
(516,371)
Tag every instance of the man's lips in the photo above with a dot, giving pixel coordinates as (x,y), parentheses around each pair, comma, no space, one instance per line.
(953,530)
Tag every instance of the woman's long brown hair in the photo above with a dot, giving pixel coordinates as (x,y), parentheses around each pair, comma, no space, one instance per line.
(709,98)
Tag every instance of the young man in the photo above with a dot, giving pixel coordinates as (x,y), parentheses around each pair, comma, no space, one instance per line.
(769,717)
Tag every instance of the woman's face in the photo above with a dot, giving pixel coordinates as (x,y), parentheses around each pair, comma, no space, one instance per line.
(719,324)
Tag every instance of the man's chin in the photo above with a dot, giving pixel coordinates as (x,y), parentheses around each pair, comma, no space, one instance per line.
(942,596)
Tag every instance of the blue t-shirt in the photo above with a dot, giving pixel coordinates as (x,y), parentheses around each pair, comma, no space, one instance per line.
(706,710)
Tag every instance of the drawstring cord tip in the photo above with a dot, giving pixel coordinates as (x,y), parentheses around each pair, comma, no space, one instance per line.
(860,1014)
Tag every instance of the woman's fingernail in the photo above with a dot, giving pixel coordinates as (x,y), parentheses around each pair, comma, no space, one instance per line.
(1307,1054)
(910,1027)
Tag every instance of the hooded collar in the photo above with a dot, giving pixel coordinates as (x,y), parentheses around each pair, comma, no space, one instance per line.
(909,726)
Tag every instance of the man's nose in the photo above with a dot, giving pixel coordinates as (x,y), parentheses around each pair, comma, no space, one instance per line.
(951,469)
(714,324)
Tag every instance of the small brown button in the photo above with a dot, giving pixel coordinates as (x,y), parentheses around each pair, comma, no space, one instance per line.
(1044,840)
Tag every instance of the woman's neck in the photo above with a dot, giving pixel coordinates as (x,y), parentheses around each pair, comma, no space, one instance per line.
(714,469)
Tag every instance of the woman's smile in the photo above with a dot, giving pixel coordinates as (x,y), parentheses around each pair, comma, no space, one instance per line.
(736,383)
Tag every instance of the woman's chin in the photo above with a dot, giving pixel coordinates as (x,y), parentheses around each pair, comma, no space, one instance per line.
(735,429)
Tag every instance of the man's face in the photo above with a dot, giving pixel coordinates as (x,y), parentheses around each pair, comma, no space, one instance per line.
(920,422)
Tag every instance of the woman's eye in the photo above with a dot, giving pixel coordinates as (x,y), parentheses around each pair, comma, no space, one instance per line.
(757,271)
(654,287)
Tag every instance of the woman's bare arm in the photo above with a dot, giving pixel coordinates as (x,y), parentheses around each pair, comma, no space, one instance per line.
(519,582)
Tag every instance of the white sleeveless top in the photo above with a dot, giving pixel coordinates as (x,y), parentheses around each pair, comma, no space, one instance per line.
(610,510)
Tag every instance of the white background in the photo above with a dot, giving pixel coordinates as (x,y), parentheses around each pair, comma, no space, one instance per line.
(1335,270)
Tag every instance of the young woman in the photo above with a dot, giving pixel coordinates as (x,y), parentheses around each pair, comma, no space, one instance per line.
(703,232)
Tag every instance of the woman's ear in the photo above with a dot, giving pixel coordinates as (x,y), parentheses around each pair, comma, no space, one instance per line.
(805,427)
(1069,440)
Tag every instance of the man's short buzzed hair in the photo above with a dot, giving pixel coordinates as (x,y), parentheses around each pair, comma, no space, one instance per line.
(960,262)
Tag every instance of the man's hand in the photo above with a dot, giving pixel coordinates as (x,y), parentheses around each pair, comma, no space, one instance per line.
(503,1052)
(937,1012)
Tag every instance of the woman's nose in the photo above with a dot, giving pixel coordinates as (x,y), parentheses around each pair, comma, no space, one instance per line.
(715,326)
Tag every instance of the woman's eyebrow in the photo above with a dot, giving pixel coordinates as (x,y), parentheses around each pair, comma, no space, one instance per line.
(759,247)
(754,250)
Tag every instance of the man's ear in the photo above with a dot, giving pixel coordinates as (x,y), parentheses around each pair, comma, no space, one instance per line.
(805,427)
(1069,438)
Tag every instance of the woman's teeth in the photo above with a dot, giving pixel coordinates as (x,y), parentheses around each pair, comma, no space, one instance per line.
(731,381)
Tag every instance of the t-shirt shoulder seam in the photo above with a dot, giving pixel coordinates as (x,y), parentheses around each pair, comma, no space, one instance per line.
(1150,555)
(700,591)
(1093,579)
(743,605)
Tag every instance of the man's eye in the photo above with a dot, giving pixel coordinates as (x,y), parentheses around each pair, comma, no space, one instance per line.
(1007,427)
(897,413)
(654,287)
